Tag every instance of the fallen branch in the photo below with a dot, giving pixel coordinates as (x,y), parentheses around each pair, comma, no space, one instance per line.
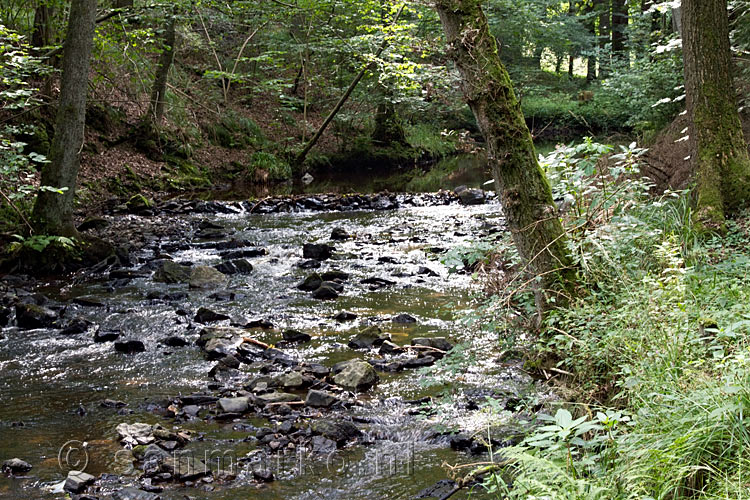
(250,340)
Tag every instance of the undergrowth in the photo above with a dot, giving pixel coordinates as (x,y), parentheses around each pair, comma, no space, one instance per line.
(655,351)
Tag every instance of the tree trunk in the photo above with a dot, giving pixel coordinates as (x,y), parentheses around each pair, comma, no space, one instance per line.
(530,213)
(719,151)
(619,26)
(389,130)
(42,31)
(158,93)
(604,37)
(53,212)
(591,59)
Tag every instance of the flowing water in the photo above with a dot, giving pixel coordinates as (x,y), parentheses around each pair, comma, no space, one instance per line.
(52,385)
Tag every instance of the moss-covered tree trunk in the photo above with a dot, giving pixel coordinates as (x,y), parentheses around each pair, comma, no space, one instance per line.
(159,90)
(53,212)
(524,192)
(719,151)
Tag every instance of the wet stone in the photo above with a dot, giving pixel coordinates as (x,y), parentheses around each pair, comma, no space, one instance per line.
(327,291)
(317,251)
(278,397)
(236,266)
(234,405)
(322,445)
(171,272)
(320,399)
(311,283)
(33,316)
(77,481)
(356,376)
(404,318)
(435,342)
(309,264)
(174,341)
(204,277)
(105,335)
(370,337)
(130,346)
(339,431)
(295,336)
(133,494)
(205,315)
(345,316)
(15,466)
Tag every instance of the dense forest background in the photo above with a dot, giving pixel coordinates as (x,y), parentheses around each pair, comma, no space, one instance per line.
(242,86)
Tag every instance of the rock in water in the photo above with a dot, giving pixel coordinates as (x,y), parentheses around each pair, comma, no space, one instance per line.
(326,291)
(320,399)
(404,318)
(434,342)
(371,336)
(339,431)
(77,481)
(171,272)
(339,233)
(317,251)
(234,405)
(33,316)
(205,315)
(131,346)
(311,283)
(295,336)
(356,376)
(206,277)
(16,466)
(471,197)
(133,494)
(345,316)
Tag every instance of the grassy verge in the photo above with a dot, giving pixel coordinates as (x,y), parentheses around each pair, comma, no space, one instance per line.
(654,358)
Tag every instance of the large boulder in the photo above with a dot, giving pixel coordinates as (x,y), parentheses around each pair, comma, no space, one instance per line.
(356,376)
(311,283)
(327,290)
(206,277)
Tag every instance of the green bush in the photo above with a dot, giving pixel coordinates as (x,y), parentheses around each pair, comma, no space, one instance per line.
(278,169)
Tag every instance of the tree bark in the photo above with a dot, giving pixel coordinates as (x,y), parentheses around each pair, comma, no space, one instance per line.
(619,26)
(719,152)
(53,212)
(591,59)
(526,198)
(604,36)
(159,90)
(42,31)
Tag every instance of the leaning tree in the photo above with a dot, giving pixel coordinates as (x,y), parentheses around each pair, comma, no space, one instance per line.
(525,194)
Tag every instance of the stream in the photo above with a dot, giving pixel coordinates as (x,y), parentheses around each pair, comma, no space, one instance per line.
(59,391)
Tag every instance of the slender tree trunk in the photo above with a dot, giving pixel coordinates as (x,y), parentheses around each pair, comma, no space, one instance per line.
(719,151)
(591,59)
(159,90)
(53,212)
(619,27)
(524,192)
(604,36)
(573,50)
